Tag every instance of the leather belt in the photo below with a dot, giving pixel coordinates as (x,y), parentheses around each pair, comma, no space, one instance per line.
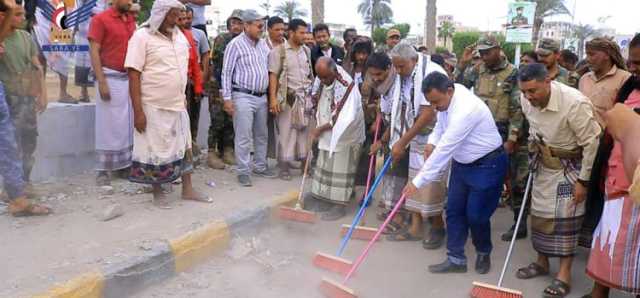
(250,92)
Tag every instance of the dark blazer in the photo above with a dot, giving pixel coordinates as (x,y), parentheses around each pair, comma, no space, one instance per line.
(337,54)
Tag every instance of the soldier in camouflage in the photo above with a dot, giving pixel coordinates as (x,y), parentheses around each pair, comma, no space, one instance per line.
(548,52)
(495,81)
(221,130)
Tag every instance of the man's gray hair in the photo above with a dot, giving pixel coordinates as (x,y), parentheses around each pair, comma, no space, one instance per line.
(331,65)
(404,50)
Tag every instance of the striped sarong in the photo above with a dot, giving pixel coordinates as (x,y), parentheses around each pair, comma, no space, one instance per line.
(334,175)
(555,237)
(394,181)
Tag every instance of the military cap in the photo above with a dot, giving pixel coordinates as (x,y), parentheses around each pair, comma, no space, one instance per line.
(548,46)
(487,42)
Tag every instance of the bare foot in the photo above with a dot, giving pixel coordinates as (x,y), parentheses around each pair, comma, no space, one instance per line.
(194,195)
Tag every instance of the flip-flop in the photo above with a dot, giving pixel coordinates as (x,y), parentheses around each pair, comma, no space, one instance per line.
(68,99)
(393,228)
(557,289)
(531,271)
(33,210)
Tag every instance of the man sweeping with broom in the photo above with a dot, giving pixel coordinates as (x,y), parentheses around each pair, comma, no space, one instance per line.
(466,132)
(340,134)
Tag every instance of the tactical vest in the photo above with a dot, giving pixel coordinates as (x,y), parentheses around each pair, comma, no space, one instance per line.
(495,90)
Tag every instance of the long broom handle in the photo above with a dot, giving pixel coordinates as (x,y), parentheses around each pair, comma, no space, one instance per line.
(515,229)
(375,238)
(304,176)
(373,157)
(360,213)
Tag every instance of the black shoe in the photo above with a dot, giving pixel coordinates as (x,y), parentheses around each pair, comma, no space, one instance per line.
(483,264)
(244,180)
(447,267)
(434,240)
(267,173)
(522,232)
(336,212)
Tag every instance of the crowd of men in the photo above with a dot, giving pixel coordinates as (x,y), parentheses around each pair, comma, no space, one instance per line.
(457,131)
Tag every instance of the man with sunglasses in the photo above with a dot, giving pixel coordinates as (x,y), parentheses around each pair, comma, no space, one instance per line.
(245,79)
(495,81)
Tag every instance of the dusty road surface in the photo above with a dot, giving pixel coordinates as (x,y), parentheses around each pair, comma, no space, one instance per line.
(41,251)
(275,262)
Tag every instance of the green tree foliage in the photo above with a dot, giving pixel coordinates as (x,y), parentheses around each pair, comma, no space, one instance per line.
(404,29)
(446,31)
(379,36)
(463,39)
(289,10)
(376,13)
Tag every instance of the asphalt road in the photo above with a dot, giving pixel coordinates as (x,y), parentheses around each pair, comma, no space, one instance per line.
(276,262)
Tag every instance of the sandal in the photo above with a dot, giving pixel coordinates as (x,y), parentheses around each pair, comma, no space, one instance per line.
(68,99)
(403,236)
(393,228)
(557,289)
(22,207)
(531,271)
(382,215)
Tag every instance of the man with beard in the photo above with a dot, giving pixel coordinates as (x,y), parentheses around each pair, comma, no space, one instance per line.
(290,79)
(549,54)
(157,65)
(617,218)
(221,128)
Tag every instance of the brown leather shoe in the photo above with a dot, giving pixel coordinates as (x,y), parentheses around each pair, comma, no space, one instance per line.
(229,156)
(214,161)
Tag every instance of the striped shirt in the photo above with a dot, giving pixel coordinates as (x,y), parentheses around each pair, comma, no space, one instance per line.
(245,65)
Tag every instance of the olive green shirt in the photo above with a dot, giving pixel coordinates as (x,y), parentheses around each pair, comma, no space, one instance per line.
(19,49)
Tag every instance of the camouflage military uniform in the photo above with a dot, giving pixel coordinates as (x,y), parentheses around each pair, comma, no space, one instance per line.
(10,165)
(569,78)
(221,130)
(23,114)
(499,89)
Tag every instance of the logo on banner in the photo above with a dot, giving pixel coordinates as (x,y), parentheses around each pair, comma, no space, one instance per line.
(65,17)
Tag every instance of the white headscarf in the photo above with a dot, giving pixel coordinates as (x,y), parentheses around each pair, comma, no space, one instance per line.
(159,11)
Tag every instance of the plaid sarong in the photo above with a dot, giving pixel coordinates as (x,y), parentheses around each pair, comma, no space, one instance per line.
(555,237)
(394,181)
(334,175)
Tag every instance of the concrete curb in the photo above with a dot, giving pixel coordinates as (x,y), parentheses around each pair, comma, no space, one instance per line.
(165,259)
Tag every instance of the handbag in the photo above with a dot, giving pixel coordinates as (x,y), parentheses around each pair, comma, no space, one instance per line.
(299,117)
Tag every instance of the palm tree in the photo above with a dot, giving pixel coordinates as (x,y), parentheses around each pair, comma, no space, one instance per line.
(317,11)
(430,25)
(546,8)
(266,5)
(582,33)
(290,9)
(446,31)
(376,13)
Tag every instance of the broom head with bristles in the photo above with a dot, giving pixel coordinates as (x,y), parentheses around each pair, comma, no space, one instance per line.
(360,233)
(483,290)
(297,214)
(332,263)
(333,289)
